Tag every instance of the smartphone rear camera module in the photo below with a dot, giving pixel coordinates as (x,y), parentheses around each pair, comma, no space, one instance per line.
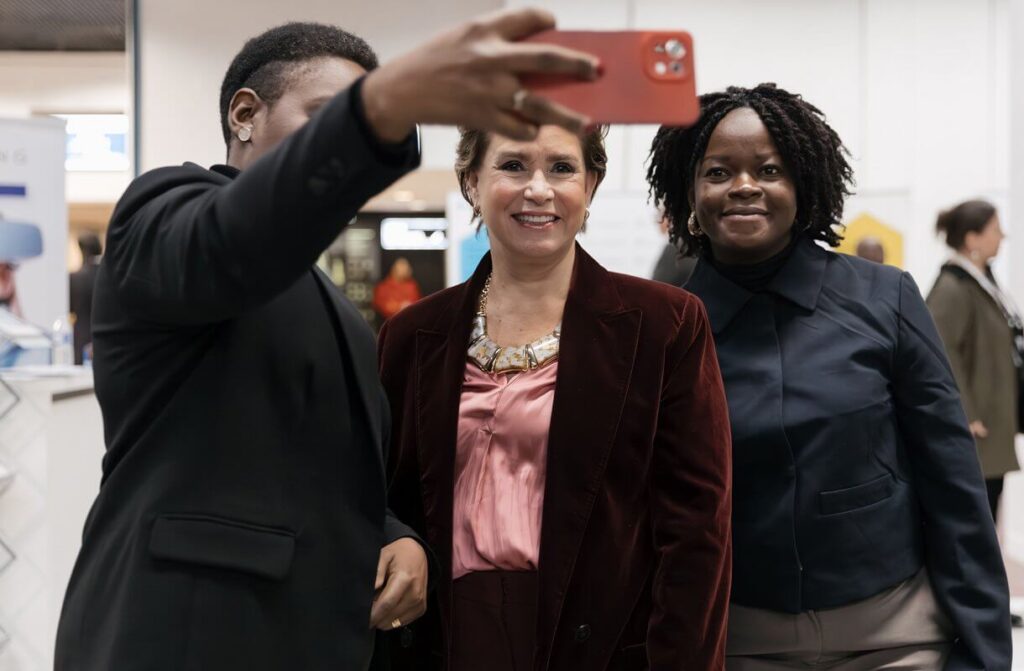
(675,49)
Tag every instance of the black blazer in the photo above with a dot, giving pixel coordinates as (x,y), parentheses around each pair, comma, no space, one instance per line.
(242,508)
(853,464)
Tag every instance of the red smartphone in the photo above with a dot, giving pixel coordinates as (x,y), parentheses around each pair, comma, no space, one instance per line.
(647,77)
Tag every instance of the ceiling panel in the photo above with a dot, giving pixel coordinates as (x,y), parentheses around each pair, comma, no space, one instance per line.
(62,25)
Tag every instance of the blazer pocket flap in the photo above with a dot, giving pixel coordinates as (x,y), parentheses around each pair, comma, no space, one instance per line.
(222,543)
(860,496)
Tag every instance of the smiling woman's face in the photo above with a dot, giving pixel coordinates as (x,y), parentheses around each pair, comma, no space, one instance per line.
(744,197)
(533,196)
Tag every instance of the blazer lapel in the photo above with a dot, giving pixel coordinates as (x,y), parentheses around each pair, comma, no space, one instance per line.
(599,341)
(440,368)
(358,339)
(598,347)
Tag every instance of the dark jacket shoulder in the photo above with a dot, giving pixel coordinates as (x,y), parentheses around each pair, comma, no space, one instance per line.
(858,279)
(954,281)
(650,294)
(153,184)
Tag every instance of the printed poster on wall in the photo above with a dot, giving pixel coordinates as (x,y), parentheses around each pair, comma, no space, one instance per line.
(33,220)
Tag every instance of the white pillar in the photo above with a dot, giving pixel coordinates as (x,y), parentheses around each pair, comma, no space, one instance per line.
(1015,217)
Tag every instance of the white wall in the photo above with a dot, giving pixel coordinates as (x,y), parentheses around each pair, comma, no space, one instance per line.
(182,62)
(1013,495)
(1015,143)
(62,82)
(67,82)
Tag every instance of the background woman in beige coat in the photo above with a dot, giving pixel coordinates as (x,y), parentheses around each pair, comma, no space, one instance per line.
(981,329)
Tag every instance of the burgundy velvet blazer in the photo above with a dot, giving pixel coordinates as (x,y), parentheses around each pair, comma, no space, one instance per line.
(635,552)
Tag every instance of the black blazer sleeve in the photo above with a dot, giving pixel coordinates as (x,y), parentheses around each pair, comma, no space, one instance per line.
(188,246)
(963,557)
(394,528)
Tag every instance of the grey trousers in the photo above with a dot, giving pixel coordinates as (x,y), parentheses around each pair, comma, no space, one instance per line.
(902,628)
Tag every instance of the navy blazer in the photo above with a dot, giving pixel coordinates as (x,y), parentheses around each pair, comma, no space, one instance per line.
(853,464)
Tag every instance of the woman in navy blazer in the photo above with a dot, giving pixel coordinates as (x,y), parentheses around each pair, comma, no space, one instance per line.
(861,532)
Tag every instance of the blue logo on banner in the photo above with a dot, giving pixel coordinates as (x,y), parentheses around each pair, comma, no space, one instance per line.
(17,190)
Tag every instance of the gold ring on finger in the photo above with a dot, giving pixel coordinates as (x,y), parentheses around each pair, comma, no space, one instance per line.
(519,99)
(396,623)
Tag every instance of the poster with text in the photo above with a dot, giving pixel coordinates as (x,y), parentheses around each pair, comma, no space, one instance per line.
(33,220)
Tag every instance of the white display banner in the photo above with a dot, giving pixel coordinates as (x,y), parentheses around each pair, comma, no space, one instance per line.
(622,233)
(33,209)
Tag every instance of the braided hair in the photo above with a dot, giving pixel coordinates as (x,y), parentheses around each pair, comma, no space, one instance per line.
(811,151)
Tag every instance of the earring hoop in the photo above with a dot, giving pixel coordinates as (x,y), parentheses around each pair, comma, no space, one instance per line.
(693,226)
(245,133)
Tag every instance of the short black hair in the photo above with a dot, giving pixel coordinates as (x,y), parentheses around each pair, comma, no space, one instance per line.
(267,61)
(90,245)
(812,152)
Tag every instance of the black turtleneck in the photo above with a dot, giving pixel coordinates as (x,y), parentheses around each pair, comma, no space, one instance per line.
(753,277)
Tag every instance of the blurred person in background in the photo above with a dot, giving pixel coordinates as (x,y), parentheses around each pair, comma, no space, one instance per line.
(981,328)
(861,532)
(871,248)
(241,522)
(82,282)
(397,291)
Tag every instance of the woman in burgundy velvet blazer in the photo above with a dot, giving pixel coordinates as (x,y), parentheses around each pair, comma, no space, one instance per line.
(635,551)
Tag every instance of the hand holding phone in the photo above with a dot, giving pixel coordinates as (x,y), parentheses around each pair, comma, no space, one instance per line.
(646,77)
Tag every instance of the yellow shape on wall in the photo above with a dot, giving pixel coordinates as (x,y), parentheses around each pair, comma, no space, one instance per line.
(865,226)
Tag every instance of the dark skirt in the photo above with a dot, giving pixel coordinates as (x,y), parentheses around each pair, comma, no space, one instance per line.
(494,621)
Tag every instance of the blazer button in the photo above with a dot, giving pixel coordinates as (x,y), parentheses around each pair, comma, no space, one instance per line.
(318,186)
(406,639)
(582,633)
(339,168)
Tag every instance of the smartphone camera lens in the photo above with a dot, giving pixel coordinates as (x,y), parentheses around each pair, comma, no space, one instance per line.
(675,49)
(677,68)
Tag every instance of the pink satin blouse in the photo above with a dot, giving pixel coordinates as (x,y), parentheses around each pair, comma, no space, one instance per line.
(500,468)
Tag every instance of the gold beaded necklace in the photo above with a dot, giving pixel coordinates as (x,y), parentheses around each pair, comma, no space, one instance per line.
(492,358)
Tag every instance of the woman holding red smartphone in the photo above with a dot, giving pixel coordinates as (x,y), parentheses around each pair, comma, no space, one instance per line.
(560,435)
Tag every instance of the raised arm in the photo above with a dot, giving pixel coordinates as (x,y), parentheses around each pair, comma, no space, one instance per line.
(187,245)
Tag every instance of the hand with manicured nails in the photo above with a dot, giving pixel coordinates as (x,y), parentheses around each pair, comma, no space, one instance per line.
(469,76)
(401,585)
